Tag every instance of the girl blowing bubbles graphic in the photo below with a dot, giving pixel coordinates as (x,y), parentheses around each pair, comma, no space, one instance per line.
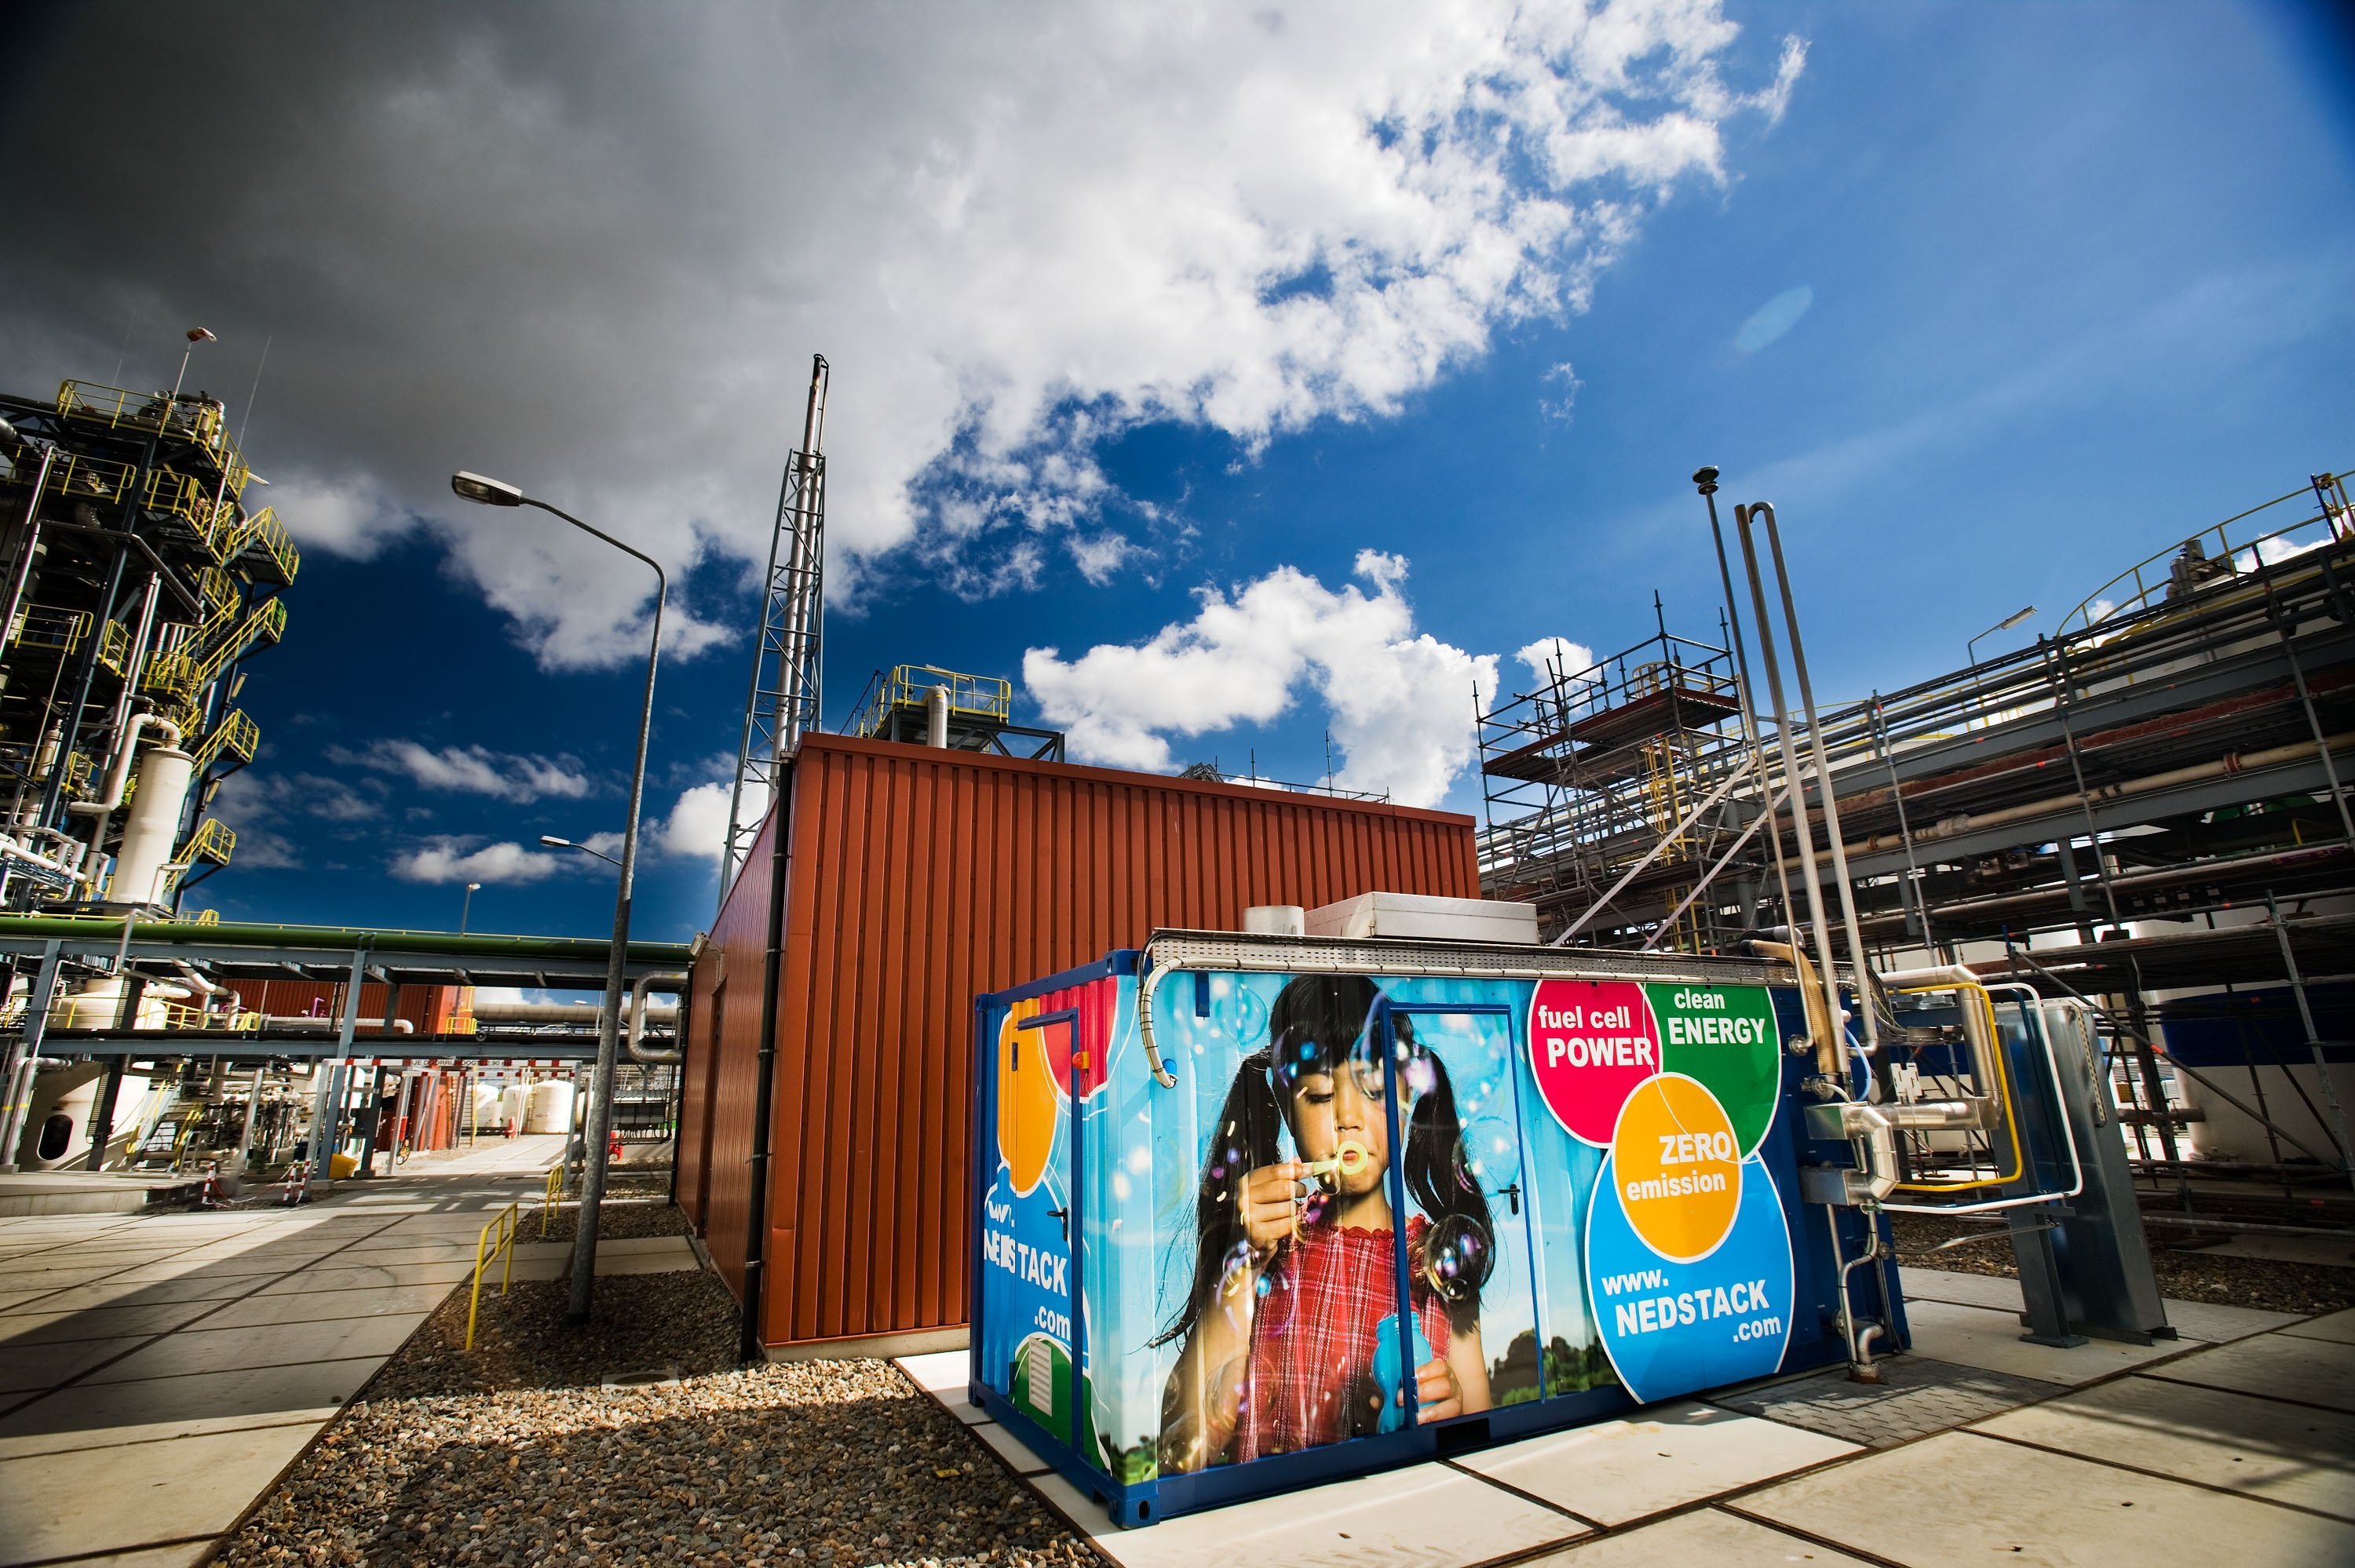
(1290,1329)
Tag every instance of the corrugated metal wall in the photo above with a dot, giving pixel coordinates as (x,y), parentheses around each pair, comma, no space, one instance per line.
(430,1009)
(919,879)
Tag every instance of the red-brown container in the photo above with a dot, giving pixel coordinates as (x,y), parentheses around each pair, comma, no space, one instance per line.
(916,879)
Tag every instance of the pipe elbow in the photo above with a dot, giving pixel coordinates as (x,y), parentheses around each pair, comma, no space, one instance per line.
(635,1041)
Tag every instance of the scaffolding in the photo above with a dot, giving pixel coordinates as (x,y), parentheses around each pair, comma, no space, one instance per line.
(1600,768)
(138,584)
(2149,802)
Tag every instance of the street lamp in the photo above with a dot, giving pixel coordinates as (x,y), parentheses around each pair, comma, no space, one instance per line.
(466,906)
(1971,647)
(498,492)
(552,841)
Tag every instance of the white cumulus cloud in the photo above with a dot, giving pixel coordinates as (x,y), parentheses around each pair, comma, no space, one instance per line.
(452,860)
(473,770)
(1400,702)
(590,249)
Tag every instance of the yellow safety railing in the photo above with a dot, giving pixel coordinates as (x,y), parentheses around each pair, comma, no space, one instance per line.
(551,1193)
(114,646)
(78,478)
(214,840)
(984,696)
(2008,1161)
(506,1225)
(202,420)
(182,673)
(236,734)
(45,626)
(232,537)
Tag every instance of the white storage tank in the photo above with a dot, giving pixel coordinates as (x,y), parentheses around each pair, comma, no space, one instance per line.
(551,1108)
(488,1113)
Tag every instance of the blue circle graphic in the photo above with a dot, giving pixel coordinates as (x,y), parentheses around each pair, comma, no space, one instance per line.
(1672,1328)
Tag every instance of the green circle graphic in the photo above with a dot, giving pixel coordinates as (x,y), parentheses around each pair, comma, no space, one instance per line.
(1724,1035)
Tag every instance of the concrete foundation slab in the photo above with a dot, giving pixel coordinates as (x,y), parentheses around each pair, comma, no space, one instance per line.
(2288,1453)
(122,1497)
(1421,1517)
(2278,1366)
(2338,1327)
(298,1307)
(87,1415)
(26,1369)
(1670,1455)
(363,1278)
(274,1345)
(97,1322)
(1960,1498)
(1977,1337)
(1704,1536)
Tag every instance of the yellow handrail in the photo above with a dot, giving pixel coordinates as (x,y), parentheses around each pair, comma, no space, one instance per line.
(548,1196)
(506,1225)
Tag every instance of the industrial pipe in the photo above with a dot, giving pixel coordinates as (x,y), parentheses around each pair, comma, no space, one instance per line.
(2229,763)
(639,1050)
(1821,1032)
(119,774)
(936,719)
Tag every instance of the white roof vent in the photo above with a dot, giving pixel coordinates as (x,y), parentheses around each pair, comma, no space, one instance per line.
(1415,917)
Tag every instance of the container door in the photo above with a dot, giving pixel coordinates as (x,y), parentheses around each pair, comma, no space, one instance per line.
(1467,1284)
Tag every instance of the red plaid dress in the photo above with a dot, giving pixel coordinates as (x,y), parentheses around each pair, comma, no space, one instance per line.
(1312,1351)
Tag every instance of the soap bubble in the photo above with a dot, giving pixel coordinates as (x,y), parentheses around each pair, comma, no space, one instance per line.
(1456,1258)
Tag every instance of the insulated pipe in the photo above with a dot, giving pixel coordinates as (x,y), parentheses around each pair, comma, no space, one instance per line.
(1823,772)
(1822,1035)
(639,1052)
(2229,763)
(120,773)
(936,719)
(1792,776)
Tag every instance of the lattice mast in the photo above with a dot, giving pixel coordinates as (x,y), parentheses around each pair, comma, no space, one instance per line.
(785,698)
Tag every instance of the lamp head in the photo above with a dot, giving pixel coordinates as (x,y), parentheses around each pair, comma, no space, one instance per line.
(473,887)
(1705,477)
(552,841)
(488,491)
(2014,618)
(201,334)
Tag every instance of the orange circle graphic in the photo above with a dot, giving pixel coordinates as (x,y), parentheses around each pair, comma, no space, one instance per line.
(1677,1167)
(1027,1106)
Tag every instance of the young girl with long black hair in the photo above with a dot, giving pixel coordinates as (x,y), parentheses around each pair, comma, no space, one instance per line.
(1290,1327)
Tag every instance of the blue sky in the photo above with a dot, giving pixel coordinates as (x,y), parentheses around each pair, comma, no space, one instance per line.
(2057,286)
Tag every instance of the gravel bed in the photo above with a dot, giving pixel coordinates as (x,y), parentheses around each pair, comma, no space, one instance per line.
(514,1454)
(2185,1273)
(622,1216)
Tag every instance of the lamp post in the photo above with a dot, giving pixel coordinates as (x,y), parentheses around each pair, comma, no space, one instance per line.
(552,841)
(496,493)
(1971,647)
(466,906)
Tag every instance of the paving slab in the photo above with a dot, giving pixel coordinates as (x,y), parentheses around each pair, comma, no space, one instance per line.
(88,1415)
(1703,1537)
(115,1498)
(271,1345)
(138,1293)
(97,1322)
(2278,1366)
(1915,1397)
(1427,1516)
(1614,1471)
(938,1370)
(29,1369)
(1960,1498)
(1999,1291)
(366,1278)
(186,1555)
(2289,1453)
(298,1307)
(2288,1249)
(1978,1337)
(946,1376)
(2338,1327)
(2217,1324)
(1008,1447)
